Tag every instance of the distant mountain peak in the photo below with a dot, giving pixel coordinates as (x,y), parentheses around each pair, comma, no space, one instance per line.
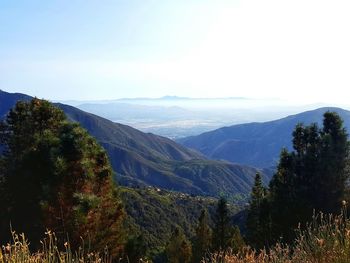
(169,97)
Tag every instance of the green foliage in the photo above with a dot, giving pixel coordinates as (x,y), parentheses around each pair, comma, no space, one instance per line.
(141,159)
(155,212)
(258,220)
(221,233)
(202,239)
(312,177)
(135,249)
(179,249)
(55,176)
(325,240)
(236,242)
(224,234)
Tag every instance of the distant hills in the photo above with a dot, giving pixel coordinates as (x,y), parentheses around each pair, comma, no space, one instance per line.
(8,100)
(127,111)
(178,117)
(149,99)
(164,120)
(141,159)
(256,144)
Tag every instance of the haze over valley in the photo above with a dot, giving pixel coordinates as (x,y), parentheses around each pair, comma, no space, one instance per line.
(185,131)
(177,117)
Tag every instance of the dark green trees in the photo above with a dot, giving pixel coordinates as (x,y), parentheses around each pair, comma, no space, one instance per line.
(333,164)
(179,249)
(222,227)
(202,240)
(258,220)
(311,178)
(55,176)
(236,242)
(135,249)
(225,235)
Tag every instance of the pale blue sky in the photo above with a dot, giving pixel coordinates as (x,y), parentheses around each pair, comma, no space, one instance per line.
(60,50)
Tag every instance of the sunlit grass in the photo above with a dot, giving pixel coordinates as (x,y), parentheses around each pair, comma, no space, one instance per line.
(325,240)
(19,251)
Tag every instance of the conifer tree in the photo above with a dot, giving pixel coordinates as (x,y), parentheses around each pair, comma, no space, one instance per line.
(179,249)
(236,242)
(222,227)
(258,218)
(55,176)
(202,240)
(334,160)
(312,177)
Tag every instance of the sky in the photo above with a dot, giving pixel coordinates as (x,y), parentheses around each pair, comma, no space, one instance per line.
(89,50)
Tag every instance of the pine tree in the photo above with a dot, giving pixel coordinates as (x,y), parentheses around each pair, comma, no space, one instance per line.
(56,176)
(312,177)
(258,220)
(334,159)
(179,249)
(222,228)
(202,240)
(236,242)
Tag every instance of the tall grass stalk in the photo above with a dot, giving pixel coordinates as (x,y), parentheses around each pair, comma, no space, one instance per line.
(325,240)
(18,251)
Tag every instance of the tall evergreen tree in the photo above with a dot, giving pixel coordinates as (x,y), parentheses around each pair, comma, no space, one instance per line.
(236,242)
(55,176)
(222,227)
(179,249)
(202,240)
(334,159)
(258,221)
(313,176)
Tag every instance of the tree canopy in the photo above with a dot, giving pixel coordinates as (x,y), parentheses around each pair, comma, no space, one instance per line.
(311,178)
(55,176)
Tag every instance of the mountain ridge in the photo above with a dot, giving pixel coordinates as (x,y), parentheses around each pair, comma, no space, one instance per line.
(146,159)
(258,143)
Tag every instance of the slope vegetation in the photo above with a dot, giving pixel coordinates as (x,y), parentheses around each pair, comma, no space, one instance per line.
(146,159)
(256,144)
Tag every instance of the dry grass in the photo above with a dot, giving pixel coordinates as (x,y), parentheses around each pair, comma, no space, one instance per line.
(326,240)
(18,251)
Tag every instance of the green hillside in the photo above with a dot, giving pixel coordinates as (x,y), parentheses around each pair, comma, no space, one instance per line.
(141,159)
(155,213)
(256,144)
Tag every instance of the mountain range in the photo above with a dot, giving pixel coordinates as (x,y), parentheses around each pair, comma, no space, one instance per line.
(256,144)
(141,159)
(179,117)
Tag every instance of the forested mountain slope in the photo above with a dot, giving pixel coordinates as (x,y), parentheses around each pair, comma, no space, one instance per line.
(146,159)
(256,144)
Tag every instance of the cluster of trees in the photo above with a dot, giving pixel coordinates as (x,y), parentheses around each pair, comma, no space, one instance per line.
(53,175)
(223,236)
(310,179)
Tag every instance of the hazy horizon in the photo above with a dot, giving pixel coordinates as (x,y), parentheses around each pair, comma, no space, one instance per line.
(88,50)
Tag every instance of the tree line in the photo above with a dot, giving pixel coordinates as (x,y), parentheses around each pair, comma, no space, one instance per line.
(312,178)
